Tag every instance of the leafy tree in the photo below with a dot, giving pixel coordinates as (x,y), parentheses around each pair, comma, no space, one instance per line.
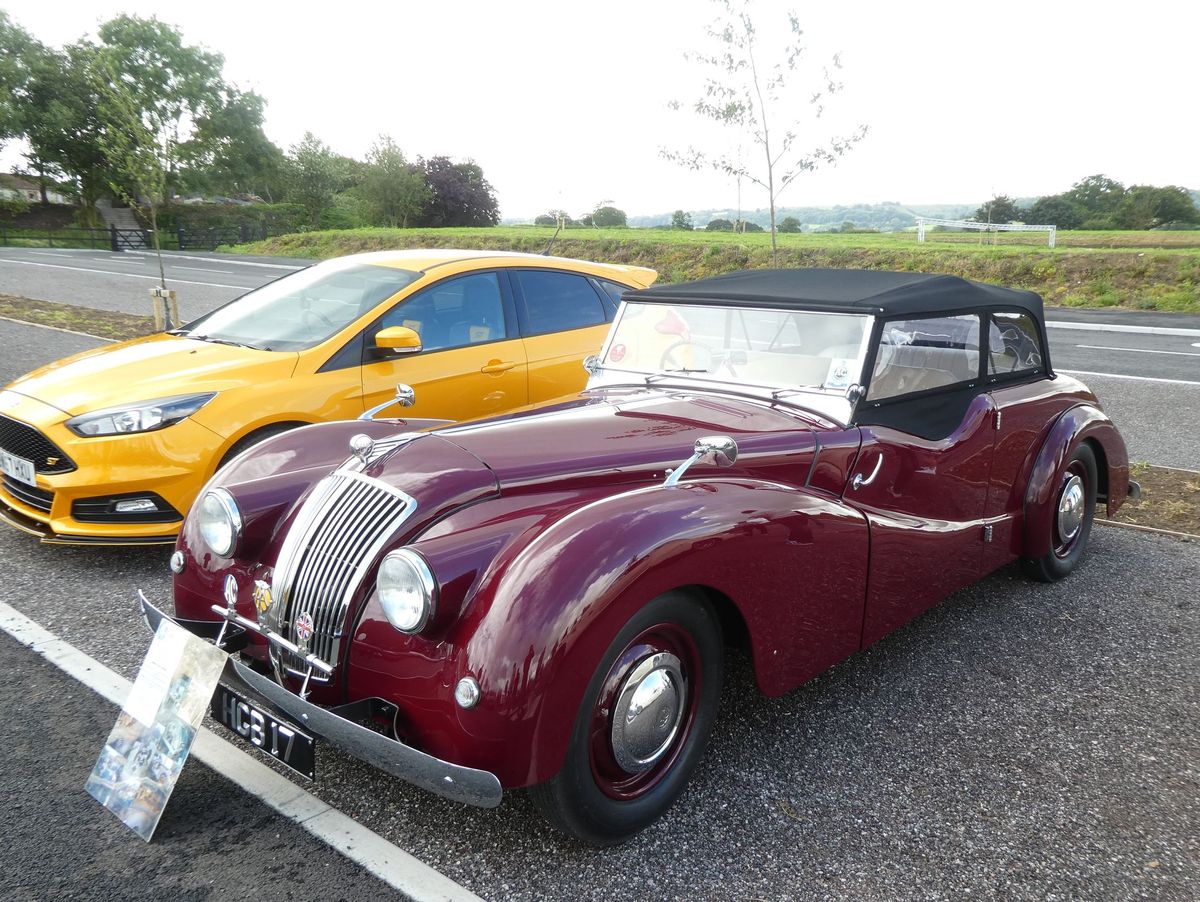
(606,216)
(1001,209)
(392,188)
(1148,207)
(15,63)
(789,224)
(1096,196)
(314,176)
(1055,210)
(747,226)
(459,195)
(682,220)
(168,83)
(744,93)
(136,162)
(553,218)
(61,121)
(719,225)
(229,153)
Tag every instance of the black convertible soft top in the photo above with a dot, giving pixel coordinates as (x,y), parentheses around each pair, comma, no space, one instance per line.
(846,291)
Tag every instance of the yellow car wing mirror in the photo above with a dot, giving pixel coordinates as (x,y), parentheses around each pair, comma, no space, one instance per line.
(398,340)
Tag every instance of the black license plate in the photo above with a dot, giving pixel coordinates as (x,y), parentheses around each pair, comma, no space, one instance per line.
(281,740)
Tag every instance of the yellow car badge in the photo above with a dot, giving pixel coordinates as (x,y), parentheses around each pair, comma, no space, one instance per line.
(262,597)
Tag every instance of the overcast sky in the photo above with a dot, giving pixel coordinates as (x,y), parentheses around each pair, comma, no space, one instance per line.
(566,104)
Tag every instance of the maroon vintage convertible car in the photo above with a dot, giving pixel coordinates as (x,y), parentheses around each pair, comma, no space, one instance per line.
(797,461)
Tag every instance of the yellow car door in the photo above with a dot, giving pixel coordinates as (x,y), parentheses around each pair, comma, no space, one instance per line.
(472,362)
(564,318)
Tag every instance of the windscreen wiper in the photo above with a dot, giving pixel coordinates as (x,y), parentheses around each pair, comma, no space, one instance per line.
(227,341)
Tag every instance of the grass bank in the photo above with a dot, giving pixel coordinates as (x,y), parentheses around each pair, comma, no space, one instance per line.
(1135,270)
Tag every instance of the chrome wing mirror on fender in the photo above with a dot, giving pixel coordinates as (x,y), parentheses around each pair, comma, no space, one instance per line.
(405,397)
(721,449)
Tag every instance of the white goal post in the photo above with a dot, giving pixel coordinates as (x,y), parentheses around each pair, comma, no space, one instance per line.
(982,227)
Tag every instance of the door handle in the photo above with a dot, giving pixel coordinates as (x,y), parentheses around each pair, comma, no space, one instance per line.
(859,481)
(499,366)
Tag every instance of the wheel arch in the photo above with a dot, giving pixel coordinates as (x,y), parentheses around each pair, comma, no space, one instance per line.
(1079,424)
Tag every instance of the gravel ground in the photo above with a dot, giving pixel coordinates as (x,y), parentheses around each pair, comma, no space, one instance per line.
(1020,741)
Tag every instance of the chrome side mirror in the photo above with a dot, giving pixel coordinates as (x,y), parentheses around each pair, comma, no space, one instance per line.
(591,364)
(720,449)
(405,397)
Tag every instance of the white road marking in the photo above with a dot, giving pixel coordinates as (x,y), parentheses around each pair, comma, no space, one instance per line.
(59,254)
(364,847)
(1138,350)
(56,329)
(1134,378)
(1109,327)
(117,259)
(228,272)
(231,260)
(127,275)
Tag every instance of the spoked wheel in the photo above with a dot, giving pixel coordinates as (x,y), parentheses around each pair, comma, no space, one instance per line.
(643,724)
(1073,511)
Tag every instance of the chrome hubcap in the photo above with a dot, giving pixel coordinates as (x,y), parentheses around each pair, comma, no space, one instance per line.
(1070,509)
(648,712)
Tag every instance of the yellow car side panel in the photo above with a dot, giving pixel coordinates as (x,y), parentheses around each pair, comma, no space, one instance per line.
(555,361)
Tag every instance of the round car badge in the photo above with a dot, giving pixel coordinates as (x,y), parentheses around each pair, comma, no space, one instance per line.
(231,592)
(304,630)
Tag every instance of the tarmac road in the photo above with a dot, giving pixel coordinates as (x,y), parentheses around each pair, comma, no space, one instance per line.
(122,281)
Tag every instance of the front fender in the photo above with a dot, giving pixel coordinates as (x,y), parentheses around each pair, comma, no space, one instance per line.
(1074,426)
(793,565)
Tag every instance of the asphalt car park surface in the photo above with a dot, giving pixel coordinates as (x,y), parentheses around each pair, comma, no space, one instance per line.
(1019,741)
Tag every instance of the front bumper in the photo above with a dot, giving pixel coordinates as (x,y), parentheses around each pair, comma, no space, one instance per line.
(170,464)
(467,785)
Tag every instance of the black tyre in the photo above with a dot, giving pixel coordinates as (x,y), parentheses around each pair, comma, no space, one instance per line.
(1071,518)
(643,723)
(254,438)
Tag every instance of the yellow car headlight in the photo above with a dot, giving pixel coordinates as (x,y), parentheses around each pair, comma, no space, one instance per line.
(144,416)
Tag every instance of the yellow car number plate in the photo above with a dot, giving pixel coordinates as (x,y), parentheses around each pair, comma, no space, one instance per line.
(17,468)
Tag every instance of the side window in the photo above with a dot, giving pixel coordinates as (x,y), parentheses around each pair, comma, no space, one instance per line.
(463,311)
(1014,345)
(558,301)
(921,354)
(612,296)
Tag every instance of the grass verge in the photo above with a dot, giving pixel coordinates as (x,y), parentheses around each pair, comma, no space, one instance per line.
(1170,500)
(101,323)
(1104,269)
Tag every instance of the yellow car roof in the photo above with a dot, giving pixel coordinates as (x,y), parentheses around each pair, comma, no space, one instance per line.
(424,259)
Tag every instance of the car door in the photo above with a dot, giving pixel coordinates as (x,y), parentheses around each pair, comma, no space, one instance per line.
(923,470)
(563,320)
(1027,404)
(472,361)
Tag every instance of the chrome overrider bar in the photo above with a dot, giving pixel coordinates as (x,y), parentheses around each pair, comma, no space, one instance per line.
(467,785)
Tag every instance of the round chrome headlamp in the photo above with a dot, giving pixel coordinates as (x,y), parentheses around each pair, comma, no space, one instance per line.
(219,521)
(407,590)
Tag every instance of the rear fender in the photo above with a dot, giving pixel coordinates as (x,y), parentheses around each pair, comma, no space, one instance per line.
(794,565)
(1074,426)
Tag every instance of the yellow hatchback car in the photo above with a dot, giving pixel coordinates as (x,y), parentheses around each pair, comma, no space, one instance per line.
(112,446)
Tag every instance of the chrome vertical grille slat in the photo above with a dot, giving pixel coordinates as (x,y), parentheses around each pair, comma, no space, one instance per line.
(338,532)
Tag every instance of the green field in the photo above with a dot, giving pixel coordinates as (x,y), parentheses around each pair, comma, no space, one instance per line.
(1135,270)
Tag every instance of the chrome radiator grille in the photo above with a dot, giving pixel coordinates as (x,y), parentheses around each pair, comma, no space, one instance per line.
(341,528)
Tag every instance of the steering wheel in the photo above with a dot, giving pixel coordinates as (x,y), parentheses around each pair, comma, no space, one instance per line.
(670,360)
